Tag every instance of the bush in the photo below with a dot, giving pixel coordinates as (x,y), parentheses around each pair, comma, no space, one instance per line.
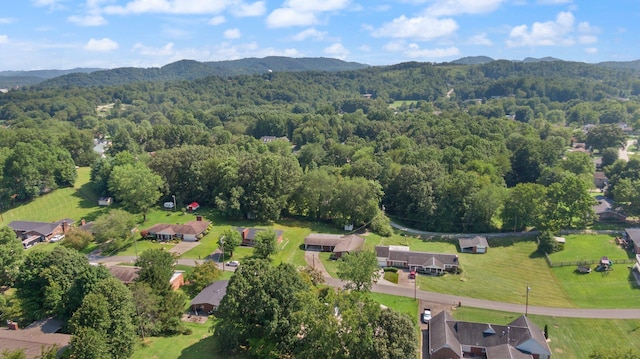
(187,331)
(391,277)
(382,225)
(390,269)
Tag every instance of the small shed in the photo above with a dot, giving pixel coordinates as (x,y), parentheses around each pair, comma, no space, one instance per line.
(105,201)
(477,244)
(193,206)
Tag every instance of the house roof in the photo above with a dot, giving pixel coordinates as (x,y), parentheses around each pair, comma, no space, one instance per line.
(42,228)
(340,243)
(193,227)
(518,339)
(424,259)
(194,205)
(634,235)
(477,241)
(126,274)
(212,294)
(251,232)
(32,338)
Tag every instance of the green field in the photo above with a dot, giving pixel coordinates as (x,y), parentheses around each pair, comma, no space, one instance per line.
(78,202)
(570,338)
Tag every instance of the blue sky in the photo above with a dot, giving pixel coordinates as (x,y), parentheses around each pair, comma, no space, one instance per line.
(64,34)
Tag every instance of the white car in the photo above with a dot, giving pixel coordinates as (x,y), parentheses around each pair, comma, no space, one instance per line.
(168,205)
(233,263)
(426,315)
(56,238)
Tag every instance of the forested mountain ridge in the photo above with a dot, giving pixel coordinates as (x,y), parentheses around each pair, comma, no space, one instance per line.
(11,79)
(190,70)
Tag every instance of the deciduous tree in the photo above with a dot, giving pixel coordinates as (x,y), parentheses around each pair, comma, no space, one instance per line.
(11,256)
(359,270)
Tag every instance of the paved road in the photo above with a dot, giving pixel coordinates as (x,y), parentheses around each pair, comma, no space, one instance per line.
(389,288)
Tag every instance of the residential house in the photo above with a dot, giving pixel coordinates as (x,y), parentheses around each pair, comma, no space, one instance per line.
(633,235)
(423,262)
(249,235)
(336,243)
(452,339)
(32,233)
(477,244)
(126,274)
(599,180)
(33,338)
(189,231)
(606,212)
(208,300)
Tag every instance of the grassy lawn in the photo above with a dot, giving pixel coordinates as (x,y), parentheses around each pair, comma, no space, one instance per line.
(404,305)
(571,338)
(79,202)
(589,247)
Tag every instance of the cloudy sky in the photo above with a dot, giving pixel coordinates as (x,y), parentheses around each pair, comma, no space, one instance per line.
(64,34)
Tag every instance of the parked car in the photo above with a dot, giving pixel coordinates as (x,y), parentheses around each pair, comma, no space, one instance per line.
(233,263)
(56,238)
(168,205)
(426,315)
(412,274)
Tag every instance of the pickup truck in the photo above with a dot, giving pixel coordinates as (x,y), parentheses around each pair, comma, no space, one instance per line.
(426,315)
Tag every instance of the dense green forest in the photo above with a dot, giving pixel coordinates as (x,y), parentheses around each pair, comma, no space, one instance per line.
(441,147)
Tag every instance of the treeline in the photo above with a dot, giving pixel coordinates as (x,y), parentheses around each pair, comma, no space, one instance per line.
(436,160)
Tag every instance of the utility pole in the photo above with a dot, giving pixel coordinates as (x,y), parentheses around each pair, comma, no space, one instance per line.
(222,242)
(174,202)
(526,305)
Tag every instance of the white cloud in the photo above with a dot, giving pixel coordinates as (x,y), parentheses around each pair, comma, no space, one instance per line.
(394,46)
(550,33)
(337,50)
(311,33)
(302,12)
(480,39)
(6,20)
(364,48)
(554,2)
(591,50)
(286,17)
(166,50)
(217,20)
(104,44)
(232,34)
(415,51)
(169,7)
(246,10)
(455,7)
(587,39)
(89,20)
(419,28)
(4,39)
(50,3)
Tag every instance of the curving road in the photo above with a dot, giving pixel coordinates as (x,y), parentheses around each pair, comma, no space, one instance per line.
(386,287)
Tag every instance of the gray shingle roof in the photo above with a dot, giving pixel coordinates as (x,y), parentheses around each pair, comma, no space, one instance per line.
(476,241)
(212,294)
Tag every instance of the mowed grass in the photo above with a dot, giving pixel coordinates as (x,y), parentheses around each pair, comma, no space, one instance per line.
(77,202)
(570,338)
(589,247)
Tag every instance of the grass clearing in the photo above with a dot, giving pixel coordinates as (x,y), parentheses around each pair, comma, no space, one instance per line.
(77,202)
(571,338)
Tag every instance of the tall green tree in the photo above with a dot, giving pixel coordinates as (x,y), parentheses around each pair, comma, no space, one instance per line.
(136,187)
(156,269)
(11,256)
(265,244)
(232,239)
(359,270)
(523,206)
(605,136)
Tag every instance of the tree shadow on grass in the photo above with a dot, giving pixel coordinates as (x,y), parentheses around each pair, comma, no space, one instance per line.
(207,348)
(87,195)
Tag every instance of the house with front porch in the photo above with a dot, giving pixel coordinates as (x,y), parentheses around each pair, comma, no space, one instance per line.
(32,233)
(190,231)
(422,262)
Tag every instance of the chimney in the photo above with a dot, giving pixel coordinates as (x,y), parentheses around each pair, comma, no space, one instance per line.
(199,218)
(65,227)
(83,222)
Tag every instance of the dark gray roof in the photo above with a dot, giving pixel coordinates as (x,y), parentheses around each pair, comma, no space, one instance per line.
(126,274)
(43,228)
(473,242)
(500,341)
(634,235)
(212,294)
(424,259)
(347,243)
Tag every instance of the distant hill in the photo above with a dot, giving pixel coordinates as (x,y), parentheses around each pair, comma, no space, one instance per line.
(190,70)
(543,59)
(11,79)
(629,65)
(473,60)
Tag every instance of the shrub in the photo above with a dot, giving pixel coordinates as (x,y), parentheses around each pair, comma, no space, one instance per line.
(390,269)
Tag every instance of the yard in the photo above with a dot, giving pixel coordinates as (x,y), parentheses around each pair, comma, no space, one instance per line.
(570,338)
